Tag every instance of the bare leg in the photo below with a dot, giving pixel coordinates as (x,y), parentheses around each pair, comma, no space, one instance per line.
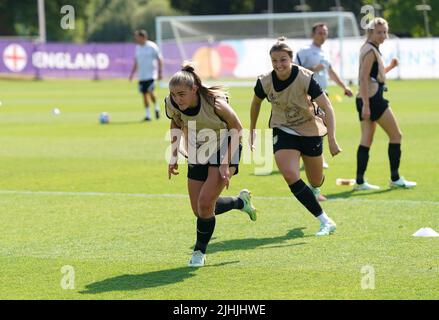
(388,122)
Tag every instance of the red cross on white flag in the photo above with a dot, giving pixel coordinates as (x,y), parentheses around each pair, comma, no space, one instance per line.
(15,57)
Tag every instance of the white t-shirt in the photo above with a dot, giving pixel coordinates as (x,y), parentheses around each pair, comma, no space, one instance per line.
(310,56)
(146,58)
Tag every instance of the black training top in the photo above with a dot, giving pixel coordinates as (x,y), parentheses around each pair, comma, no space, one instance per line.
(374,70)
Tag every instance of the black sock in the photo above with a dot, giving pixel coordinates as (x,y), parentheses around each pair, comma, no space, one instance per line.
(394,158)
(205,229)
(362,159)
(224,204)
(306,197)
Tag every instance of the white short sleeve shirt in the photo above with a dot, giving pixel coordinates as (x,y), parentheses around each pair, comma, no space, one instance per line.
(310,56)
(146,57)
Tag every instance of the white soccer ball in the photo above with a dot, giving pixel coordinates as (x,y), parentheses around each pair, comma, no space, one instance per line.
(56,111)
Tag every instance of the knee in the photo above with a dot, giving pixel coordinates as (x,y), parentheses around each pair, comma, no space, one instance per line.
(205,207)
(194,209)
(291,177)
(396,138)
(366,141)
(317,182)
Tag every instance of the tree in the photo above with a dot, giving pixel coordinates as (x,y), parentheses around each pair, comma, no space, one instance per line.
(20,18)
(112,20)
(144,18)
(405,20)
(54,30)
(115,20)
(203,7)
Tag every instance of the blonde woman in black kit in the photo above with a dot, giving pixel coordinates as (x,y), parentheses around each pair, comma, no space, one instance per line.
(189,103)
(297,130)
(373,109)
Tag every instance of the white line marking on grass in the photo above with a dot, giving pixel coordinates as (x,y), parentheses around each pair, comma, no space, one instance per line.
(92,194)
(184,196)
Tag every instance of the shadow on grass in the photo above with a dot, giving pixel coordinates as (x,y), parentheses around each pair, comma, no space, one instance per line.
(352,193)
(131,282)
(252,243)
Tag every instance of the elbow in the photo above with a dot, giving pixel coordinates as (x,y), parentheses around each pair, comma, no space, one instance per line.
(238,127)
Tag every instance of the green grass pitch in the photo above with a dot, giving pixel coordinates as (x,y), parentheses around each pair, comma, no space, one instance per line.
(97,198)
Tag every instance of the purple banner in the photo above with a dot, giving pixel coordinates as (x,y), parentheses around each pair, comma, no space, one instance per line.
(65,60)
(115,60)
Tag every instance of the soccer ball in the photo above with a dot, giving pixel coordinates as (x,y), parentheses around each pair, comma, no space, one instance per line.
(104,118)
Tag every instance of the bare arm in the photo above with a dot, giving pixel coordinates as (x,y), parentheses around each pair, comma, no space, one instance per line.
(133,70)
(225,111)
(394,63)
(324,103)
(368,61)
(160,65)
(254,114)
(334,76)
(175,143)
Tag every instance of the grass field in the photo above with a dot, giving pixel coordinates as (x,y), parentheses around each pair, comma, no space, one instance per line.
(97,198)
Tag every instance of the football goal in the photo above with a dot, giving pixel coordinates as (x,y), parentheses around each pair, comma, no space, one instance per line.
(220,43)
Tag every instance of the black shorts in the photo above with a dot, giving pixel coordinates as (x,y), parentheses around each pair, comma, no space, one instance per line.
(309,146)
(146,86)
(200,172)
(377,105)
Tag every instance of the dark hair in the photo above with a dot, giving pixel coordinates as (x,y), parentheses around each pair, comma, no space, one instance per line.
(188,77)
(318,25)
(141,33)
(281,45)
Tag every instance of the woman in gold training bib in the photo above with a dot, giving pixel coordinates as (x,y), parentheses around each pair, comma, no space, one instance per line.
(211,130)
(297,129)
(373,109)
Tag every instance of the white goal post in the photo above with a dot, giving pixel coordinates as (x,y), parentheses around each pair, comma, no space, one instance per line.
(183,37)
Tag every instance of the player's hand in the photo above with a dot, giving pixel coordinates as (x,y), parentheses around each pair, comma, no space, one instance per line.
(159,77)
(252,139)
(348,92)
(130,78)
(334,148)
(394,63)
(172,170)
(365,112)
(318,67)
(225,174)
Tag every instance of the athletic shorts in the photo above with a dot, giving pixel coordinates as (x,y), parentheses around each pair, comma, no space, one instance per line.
(200,172)
(146,86)
(309,146)
(377,105)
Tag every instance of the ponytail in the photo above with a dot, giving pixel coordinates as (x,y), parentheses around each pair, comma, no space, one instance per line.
(281,45)
(188,77)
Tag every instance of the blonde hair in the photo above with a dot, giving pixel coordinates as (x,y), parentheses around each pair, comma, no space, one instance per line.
(281,45)
(188,77)
(376,22)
